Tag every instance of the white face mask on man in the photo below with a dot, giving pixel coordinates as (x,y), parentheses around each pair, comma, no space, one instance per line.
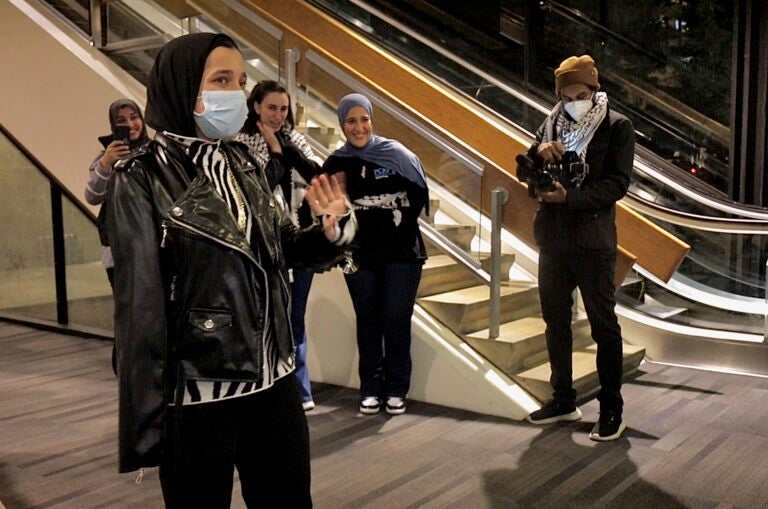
(577,109)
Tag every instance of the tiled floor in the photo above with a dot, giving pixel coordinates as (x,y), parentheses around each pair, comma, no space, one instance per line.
(695,439)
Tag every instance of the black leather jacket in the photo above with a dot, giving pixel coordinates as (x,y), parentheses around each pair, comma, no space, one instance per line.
(586,222)
(193,298)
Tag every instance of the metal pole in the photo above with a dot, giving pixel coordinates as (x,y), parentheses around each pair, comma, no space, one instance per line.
(292,56)
(59,259)
(499,197)
(765,323)
(98,28)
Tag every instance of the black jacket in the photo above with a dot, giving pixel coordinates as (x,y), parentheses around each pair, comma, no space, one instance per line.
(586,221)
(193,298)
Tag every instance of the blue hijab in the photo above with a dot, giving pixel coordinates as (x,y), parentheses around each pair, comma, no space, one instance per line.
(388,153)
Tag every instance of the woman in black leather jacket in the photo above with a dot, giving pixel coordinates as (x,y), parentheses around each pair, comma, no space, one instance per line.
(202,296)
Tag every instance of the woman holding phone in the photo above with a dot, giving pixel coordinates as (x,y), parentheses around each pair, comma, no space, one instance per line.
(128,134)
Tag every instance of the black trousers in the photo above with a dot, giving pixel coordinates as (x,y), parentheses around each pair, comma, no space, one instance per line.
(264,435)
(560,273)
(383,299)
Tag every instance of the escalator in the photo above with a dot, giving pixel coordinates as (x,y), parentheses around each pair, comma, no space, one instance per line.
(468,147)
(641,55)
(680,181)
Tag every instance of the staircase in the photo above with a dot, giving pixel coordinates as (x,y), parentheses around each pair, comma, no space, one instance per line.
(457,298)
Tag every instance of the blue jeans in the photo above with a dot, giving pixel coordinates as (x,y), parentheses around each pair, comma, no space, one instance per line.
(302,282)
(383,299)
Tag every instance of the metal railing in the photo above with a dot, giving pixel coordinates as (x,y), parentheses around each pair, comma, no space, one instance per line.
(470,162)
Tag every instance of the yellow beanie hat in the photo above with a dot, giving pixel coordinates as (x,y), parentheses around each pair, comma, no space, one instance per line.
(575,70)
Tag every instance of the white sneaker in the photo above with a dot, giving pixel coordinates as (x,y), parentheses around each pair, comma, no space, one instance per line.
(370,405)
(395,405)
(308,405)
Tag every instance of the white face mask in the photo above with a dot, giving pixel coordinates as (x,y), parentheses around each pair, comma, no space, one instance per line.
(577,109)
(225,113)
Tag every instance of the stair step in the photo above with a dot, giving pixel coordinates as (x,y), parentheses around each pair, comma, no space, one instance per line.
(655,308)
(459,234)
(662,312)
(522,343)
(585,380)
(507,261)
(434,206)
(442,274)
(326,136)
(467,310)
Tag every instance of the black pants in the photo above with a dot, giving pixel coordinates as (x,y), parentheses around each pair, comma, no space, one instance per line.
(264,435)
(383,299)
(559,275)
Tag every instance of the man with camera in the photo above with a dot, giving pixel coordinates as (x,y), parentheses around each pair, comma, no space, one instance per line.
(578,167)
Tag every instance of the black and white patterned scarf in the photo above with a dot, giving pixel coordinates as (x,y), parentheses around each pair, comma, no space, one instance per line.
(209,156)
(258,148)
(576,136)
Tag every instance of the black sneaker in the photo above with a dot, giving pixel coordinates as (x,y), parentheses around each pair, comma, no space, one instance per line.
(555,411)
(609,427)
(370,405)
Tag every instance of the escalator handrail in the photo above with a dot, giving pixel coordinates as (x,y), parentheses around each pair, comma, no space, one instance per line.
(727,207)
(537,105)
(716,203)
(696,221)
(578,17)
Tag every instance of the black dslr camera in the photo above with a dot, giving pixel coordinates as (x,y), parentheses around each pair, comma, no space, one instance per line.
(569,171)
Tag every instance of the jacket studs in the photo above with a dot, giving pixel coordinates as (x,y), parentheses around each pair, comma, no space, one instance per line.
(176,211)
(208,324)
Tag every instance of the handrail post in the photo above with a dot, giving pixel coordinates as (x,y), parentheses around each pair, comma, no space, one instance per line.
(99,29)
(292,56)
(499,197)
(59,256)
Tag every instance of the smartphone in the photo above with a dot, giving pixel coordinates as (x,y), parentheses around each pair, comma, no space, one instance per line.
(122,133)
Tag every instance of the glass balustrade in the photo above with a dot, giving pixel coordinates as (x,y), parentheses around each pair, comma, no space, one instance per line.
(27,264)
(727,263)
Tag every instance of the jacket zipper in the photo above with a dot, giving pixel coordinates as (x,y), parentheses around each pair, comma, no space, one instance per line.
(278,249)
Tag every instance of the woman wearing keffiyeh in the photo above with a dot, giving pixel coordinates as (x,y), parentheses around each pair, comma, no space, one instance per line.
(270,120)
(576,234)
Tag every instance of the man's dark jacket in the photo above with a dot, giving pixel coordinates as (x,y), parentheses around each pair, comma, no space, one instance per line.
(586,221)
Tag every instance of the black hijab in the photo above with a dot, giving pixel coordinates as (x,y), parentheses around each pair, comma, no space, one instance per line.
(114,110)
(174,81)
